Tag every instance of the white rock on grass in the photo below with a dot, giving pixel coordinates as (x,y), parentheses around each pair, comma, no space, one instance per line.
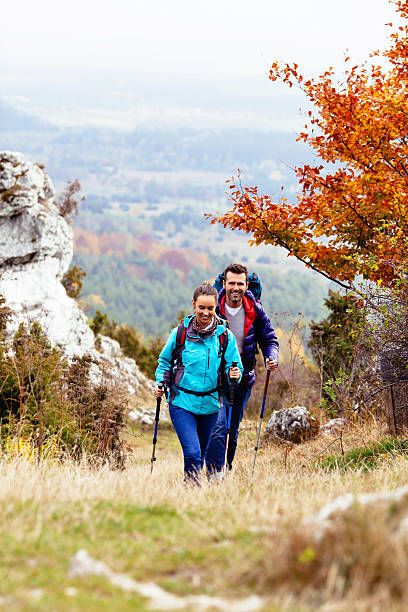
(82,564)
(291,424)
(334,426)
(324,518)
(143,415)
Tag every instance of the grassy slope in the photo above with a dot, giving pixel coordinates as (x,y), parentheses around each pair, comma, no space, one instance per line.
(153,528)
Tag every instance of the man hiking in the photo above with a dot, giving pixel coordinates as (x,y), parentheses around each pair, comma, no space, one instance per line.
(250,325)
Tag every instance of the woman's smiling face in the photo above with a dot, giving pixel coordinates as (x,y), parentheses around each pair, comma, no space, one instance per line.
(204,307)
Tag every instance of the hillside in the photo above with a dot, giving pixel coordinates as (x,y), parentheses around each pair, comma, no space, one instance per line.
(143,218)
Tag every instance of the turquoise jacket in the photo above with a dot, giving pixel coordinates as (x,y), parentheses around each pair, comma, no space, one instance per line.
(198,370)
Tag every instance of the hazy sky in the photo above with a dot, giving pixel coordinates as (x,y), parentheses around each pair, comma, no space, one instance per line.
(157,48)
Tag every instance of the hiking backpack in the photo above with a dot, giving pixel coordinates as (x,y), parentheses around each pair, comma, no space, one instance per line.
(254,284)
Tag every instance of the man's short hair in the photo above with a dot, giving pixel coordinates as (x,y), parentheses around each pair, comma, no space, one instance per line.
(236,268)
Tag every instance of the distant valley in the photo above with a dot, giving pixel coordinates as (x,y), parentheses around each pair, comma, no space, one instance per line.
(141,235)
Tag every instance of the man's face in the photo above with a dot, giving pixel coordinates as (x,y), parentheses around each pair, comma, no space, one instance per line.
(235,286)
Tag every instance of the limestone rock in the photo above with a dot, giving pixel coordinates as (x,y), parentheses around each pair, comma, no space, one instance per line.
(36,248)
(291,424)
(332,427)
(124,369)
(326,517)
(109,351)
(146,416)
(83,565)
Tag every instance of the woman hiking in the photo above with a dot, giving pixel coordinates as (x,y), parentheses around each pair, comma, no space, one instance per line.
(197,356)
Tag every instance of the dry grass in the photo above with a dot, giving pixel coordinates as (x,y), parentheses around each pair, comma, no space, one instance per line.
(238,535)
(286,482)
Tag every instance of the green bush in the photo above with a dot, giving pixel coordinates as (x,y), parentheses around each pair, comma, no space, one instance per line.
(73,281)
(31,375)
(334,342)
(43,398)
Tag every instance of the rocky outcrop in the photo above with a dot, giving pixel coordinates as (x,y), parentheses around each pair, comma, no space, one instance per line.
(36,248)
(291,424)
(109,352)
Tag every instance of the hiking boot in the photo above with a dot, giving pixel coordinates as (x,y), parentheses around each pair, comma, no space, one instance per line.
(215,477)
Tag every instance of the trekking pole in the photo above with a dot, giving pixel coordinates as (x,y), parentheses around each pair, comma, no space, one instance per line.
(268,372)
(156,425)
(231,403)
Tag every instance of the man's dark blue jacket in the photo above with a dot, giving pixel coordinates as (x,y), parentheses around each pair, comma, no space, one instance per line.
(257,330)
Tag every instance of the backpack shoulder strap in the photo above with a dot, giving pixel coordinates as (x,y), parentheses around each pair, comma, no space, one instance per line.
(175,358)
(223,343)
(181,335)
(180,342)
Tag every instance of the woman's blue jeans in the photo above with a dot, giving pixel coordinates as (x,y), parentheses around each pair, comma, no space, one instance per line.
(194,432)
(215,456)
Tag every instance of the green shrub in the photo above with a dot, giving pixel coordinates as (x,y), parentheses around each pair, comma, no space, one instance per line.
(44,398)
(31,373)
(73,281)
(333,342)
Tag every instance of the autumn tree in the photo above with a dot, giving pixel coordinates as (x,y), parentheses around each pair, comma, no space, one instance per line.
(352,204)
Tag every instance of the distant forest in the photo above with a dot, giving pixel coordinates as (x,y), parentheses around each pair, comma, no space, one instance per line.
(138,291)
(140,234)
